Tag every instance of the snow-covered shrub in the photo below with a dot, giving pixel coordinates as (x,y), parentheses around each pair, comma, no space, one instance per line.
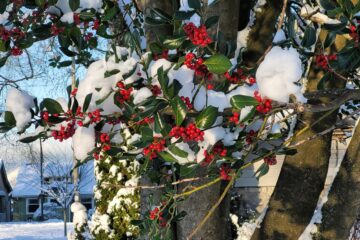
(80,221)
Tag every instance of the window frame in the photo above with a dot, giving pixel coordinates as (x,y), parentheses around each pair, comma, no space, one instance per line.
(88,202)
(28,204)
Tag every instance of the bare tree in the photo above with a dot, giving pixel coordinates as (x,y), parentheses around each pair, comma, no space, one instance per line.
(58,183)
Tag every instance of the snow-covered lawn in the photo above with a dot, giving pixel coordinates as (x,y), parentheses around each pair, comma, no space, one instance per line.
(53,230)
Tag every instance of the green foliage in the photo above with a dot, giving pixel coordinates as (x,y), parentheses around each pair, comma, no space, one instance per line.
(218,64)
(241,101)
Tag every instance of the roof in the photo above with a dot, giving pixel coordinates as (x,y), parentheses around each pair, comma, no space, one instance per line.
(28,182)
(87,178)
(4,177)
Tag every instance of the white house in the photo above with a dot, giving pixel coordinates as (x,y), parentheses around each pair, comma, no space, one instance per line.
(57,186)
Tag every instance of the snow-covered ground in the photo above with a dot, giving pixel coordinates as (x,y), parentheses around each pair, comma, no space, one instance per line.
(53,230)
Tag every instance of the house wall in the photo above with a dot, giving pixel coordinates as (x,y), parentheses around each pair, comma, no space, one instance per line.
(19,210)
(5,214)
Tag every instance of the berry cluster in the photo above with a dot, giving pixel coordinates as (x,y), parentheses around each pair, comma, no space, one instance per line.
(164,54)
(94,116)
(250,136)
(197,65)
(156,90)
(197,35)
(74,92)
(77,19)
(187,102)
(156,214)
(236,76)
(88,36)
(125,93)
(154,148)
(15,51)
(190,133)
(354,35)
(224,172)
(323,60)
(96,24)
(45,116)
(210,87)
(270,160)
(64,132)
(105,140)
(55,30)
(235,118)
(112,120)
(264,103)
(218,150)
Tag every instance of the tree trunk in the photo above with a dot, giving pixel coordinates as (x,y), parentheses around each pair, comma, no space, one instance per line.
(343,206)
(226,29)
(262,33)
(303,175)
(197,205)
(65,221)
(152,33)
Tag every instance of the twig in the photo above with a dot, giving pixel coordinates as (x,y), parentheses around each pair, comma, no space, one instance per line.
(325,131)
(158,186)
(281,19)
(198,188)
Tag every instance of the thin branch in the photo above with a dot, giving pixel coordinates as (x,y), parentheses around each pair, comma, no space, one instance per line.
(158,186)
(333,127)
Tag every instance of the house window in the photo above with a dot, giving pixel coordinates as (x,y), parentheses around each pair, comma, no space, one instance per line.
(88,203)
(32,204)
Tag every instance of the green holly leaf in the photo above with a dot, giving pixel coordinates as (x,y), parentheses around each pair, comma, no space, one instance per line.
(87,102)
(309,37)
(263,170)
(9,118)
(218,64)
(52,106)
(195,4)
(207,117)
(74,5)
(178,152)
(241,101)
(179,108)
(167,157)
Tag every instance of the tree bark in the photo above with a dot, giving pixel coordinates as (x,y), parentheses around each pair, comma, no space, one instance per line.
(303,175)
(152,33)
(262,33)
(65,221)
(197,205)
(343,206)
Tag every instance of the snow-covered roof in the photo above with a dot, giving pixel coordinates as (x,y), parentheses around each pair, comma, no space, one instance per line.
(12,176)
(87,178)
(28,178)
(27,182)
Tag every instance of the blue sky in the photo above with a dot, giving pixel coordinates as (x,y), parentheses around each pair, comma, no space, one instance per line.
(49,82)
